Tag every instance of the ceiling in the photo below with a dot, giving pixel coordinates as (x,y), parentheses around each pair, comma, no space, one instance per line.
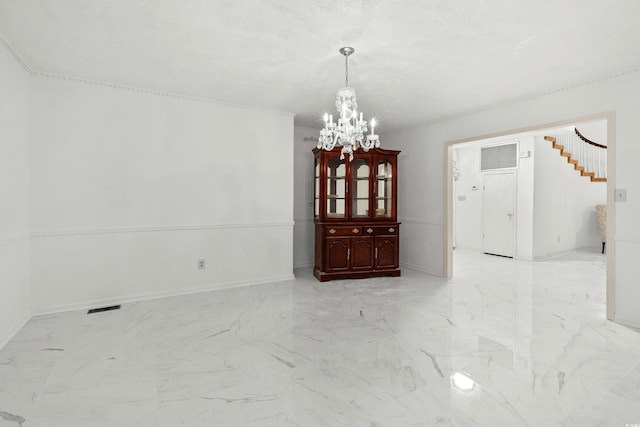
(416,61)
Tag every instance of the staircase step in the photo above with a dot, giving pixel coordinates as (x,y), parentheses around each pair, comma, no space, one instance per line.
(575,163)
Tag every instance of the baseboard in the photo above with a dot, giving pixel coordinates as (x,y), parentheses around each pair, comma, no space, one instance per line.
(305,265)
(420,269)
(14,329)
(626,322)
(84,305)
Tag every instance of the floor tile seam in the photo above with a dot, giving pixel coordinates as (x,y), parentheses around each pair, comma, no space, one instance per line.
(368,388)
(579,319)
(593,401)
(631,403)
(42,389)
(604,383)
(624,377)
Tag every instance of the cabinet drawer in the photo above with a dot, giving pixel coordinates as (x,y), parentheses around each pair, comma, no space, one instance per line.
(376,230)
(349,230)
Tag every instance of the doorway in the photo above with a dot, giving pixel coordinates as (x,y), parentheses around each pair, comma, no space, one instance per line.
(610,228)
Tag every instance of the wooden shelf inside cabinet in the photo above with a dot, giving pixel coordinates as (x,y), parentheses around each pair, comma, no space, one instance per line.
(352,235)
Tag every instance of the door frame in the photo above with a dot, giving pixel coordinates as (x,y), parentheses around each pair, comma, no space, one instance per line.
(610,117)
(514,227)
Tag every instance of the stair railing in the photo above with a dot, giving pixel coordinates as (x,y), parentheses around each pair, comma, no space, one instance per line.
(588,154)
(597,155)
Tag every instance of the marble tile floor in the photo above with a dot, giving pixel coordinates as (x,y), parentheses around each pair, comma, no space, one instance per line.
(504,343)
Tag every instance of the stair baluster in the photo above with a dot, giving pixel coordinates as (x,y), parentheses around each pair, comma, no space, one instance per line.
(587,157)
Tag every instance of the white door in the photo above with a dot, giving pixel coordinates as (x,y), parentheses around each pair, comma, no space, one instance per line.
(499,214)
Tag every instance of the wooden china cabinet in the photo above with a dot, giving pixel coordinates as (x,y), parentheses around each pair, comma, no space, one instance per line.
(355,214)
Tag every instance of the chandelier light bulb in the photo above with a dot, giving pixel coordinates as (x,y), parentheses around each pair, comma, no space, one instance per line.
(348,132)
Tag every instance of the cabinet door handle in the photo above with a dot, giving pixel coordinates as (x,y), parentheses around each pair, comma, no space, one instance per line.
(332,231)
(369,230)
(348,253)
(391,230)
(376,253)
(355,230)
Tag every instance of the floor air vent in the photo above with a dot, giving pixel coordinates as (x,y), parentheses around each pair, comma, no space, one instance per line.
(101,309)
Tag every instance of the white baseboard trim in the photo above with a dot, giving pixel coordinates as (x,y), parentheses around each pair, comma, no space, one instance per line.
(626,322)
(4,339)
(420,269)
(419,221)
(305,265)
(85,305)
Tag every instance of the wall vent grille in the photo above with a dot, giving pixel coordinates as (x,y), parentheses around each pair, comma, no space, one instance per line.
(101,309)
(499,157)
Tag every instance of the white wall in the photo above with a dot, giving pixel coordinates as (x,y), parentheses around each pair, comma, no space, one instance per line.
(564,208)
(420,199)
(468,212)
(303,231)
(422,175)
(15,291)
(525,200)
(130,189)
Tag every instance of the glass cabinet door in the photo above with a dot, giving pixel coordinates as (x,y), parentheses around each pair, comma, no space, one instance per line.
(360,173)
(384,189)
(316,188)
(336,188)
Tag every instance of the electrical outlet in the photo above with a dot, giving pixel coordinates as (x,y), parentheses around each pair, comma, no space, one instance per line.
(201,264)
(621,194)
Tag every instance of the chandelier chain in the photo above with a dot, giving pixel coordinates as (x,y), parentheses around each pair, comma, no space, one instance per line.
(346,71)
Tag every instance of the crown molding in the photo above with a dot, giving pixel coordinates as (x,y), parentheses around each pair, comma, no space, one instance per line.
(536,95)
(50,75)
(17,57)
(47,74)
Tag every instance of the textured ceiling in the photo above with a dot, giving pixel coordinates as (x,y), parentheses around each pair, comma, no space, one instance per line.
(415,61)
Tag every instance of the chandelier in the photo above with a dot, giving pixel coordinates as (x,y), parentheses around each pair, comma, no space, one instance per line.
(349,131)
